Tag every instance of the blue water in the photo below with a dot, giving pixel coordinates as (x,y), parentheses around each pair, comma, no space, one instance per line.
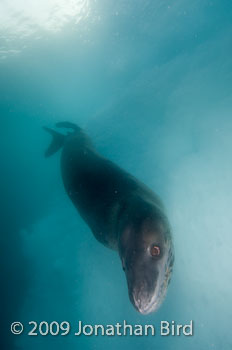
(150,81)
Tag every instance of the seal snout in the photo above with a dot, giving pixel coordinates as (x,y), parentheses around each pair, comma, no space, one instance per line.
(141,299)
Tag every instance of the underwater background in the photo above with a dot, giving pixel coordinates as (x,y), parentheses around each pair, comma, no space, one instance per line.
(151,83)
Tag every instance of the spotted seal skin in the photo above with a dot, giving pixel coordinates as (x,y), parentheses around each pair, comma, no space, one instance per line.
(123,214)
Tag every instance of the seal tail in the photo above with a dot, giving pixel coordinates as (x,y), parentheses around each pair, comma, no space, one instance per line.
(56,144)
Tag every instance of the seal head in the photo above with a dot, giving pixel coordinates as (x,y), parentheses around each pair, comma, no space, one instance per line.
(147,256)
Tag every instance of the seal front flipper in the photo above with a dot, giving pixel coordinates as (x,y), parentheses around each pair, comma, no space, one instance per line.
(57,142)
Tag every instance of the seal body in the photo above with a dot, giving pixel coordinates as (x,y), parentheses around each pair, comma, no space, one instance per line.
(122,212)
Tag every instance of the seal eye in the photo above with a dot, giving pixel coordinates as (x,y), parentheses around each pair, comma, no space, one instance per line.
(155,250)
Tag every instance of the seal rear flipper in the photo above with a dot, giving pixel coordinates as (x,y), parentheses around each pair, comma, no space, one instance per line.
(68,125)
(56,144)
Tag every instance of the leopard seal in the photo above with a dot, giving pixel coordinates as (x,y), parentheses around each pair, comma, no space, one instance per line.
(122,212)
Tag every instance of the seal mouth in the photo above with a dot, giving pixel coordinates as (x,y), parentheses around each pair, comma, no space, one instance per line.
(146,301)
(145,304)
(147,308)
